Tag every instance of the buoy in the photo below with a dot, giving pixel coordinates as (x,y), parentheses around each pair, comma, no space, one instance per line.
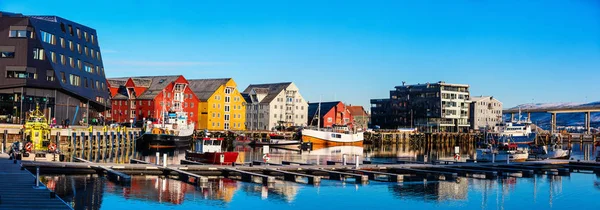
(28,146)
(52,147)
(266,157)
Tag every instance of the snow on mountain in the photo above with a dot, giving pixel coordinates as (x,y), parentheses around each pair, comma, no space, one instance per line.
(565,119)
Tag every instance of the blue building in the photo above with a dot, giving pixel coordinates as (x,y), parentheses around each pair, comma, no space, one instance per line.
(51,62)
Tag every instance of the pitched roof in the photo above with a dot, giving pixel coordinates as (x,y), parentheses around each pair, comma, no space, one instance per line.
(273,90)
(113,82)
(357,111)
(119,96)
(325,107)
(479,98)
(155,84)
(246,97)
(204,88)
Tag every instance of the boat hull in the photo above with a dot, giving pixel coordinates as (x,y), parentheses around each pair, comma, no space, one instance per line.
(484,155)
(330,139)
(149,140)
(213,157)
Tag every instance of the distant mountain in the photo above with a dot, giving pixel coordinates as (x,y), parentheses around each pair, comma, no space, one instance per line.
(566,119)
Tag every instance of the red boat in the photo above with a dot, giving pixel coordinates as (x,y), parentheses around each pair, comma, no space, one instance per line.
(208,150)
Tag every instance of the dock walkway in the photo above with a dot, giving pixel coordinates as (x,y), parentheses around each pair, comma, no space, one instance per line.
(17,189)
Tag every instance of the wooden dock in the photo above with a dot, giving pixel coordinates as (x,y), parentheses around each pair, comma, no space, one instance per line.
(18,189)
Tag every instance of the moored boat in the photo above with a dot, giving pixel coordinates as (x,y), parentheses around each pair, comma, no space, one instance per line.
(208,150)
(175,132)
(502,153)
(337,135)
(553,150)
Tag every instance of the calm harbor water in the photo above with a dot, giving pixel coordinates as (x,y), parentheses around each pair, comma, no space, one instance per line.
(153,192)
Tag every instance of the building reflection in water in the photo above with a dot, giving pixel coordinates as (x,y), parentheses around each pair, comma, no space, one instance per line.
(432,191)
(81,192)
(283,192)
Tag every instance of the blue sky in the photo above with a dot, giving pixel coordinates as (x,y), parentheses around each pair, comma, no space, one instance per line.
(517,51)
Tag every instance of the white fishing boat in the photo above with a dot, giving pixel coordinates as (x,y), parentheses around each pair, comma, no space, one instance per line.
(554,150)
(501,152)
(338,135)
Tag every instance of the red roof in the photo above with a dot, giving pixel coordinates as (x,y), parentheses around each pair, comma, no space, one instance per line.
(357,111)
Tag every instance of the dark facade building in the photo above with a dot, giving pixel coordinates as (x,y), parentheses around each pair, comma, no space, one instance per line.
(52,62)
(429,107)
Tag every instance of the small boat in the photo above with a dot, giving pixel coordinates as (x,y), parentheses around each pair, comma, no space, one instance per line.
(491,150)
(208,150)
(554,150)
(503,152)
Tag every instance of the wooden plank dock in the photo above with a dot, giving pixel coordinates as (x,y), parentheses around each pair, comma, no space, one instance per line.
(18,192)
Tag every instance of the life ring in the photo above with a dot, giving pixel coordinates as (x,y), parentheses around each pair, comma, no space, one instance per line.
(52,147)
(28,146)
(456,157)
(266,157)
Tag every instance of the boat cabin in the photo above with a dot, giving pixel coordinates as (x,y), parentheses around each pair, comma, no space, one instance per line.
(209,145)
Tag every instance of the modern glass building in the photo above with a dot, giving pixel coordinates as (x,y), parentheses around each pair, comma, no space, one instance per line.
(51,62)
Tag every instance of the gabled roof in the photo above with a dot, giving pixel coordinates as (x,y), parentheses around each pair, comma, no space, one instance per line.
(119,97)
(204,88)
(247,98)
(357,111)
(325,107)
(273,90)
(113,82)
(479,98)
(155,84)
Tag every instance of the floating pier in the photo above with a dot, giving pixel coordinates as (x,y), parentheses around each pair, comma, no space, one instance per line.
(294,177)
(20,189)
(341,176)
(248,176)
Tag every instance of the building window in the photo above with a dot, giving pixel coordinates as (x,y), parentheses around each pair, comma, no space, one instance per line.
(227,90)
(78,33)
(48,37)
(17,33)
(62,42)
(214,115)
(86,82)
(72,62)
(85,50)
(226,108)
(88,67)
(53,57)
(92,53)
(63,61)
(92,38)
(79,64)
(71,45)
(7,54)
(192,104)
(74,80)
(226,117)
(50,75)
(98,55)
(329,119)
(16,74)
(79,48)
(97,85)
(275,115)
(227,99)
(63,78)
(85,36)
(38,54)
(226,126)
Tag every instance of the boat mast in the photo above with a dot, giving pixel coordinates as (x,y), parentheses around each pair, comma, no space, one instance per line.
(319,115)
